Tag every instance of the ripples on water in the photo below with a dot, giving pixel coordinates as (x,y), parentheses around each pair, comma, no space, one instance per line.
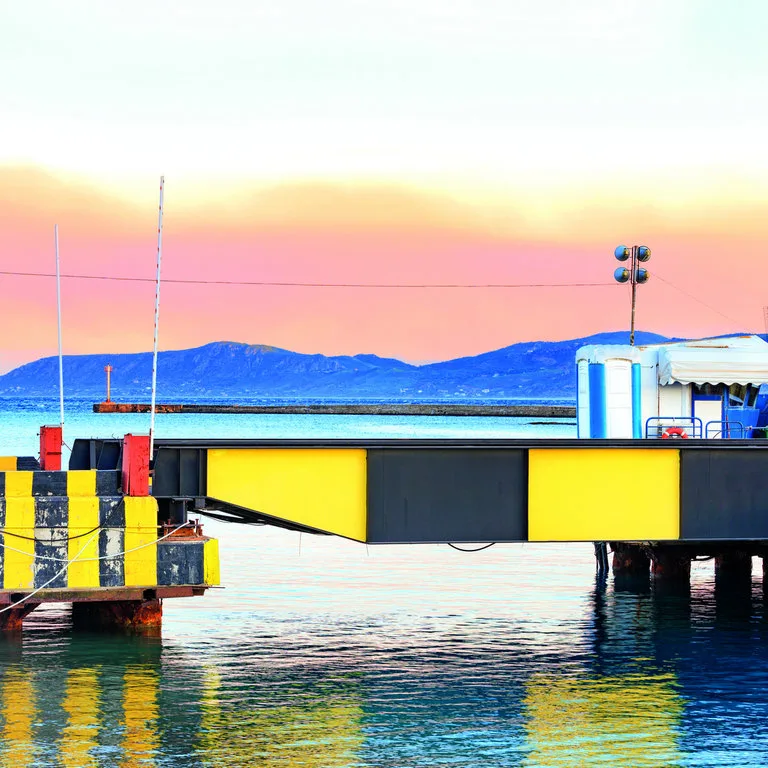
(325,653)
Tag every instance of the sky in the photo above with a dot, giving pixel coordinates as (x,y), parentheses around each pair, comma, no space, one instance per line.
(484,144)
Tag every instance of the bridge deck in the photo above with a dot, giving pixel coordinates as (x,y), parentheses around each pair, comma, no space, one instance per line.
(472,490)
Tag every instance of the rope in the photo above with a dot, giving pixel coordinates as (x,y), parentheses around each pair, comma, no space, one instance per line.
(94,559)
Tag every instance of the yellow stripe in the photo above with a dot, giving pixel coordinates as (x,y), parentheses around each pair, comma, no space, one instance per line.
(140,528)
(81,482)
(8,463)
(140,740)
(19,519)
(323,488)
(18,715)
(599,494)
(18,483)
(79,736)
(83,519)
(211,570)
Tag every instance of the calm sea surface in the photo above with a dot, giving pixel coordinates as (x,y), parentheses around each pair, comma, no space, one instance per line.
(321,652)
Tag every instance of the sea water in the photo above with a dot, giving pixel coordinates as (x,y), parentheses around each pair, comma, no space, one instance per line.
(326,653)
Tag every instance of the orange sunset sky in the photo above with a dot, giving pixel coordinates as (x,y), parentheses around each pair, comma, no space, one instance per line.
(470,142)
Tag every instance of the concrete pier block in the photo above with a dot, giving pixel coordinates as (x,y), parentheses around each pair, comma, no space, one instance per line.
(145,616)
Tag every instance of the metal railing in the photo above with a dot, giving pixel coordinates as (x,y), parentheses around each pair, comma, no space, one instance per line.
(673,427)
(726,430)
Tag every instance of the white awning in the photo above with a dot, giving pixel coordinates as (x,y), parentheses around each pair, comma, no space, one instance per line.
(736,360)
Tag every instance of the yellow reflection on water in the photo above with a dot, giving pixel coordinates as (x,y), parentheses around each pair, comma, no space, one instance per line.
(321,733)
(140,740)
(81,703)
(17,710)
(628,720)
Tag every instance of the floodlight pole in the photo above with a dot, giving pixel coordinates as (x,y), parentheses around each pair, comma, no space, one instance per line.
(633,278)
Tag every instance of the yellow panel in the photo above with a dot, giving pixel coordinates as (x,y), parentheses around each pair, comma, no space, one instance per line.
(18,483)
(603,494)
(323,488)
(19,520)
(81,482)
(211,571)
(140,528)
(83,520)
(8,463)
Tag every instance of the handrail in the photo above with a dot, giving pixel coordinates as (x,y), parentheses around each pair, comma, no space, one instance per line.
(657,425)
(726,426)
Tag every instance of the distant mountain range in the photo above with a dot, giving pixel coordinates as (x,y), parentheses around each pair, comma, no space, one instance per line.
(536,370)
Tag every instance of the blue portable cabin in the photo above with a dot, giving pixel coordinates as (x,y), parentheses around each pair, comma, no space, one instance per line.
(704,388)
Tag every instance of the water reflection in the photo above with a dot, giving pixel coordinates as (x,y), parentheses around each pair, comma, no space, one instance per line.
(636,677)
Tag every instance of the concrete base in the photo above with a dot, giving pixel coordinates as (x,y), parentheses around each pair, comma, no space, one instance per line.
(144,616)
(12,619)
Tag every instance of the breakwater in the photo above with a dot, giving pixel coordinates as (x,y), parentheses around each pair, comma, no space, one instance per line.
(358,409)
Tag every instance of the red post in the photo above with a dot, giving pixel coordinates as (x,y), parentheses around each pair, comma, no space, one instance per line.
(50,448)
(136,465)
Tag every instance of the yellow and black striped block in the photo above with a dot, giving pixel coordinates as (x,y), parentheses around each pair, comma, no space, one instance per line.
(87,541)
(60,483)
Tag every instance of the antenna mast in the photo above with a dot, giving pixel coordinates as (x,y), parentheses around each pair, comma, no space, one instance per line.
(157,320)
(58,306)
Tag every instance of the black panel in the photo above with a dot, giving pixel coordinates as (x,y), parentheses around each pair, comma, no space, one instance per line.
(180,563)
(724,494)
(112,561)
(51,539)
(179,472)
(447,495)
(108,483)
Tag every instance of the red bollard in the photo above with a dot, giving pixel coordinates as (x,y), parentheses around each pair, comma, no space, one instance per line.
(136,465)
(50,448)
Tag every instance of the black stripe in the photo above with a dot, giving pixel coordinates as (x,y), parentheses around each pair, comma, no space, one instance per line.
(51,540)
(180,563)
(27,464)
(107,483)
(49,483)
(111,570)
(111,512)
(2,484)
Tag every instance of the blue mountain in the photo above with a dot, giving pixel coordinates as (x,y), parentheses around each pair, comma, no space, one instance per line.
(537,370)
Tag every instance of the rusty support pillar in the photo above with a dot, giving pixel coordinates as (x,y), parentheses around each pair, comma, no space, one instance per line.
(671,565)
(735,566)
(629,560)
(145,616)
(11,620)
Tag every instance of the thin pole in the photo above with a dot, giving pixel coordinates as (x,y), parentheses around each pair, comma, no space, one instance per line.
(157,321)
(632,276)
(58,305)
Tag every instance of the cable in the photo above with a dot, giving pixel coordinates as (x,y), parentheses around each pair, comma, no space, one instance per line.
(94,559)
(281,284)
(6,532)
(695,298)
(52,579)
(479,549)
